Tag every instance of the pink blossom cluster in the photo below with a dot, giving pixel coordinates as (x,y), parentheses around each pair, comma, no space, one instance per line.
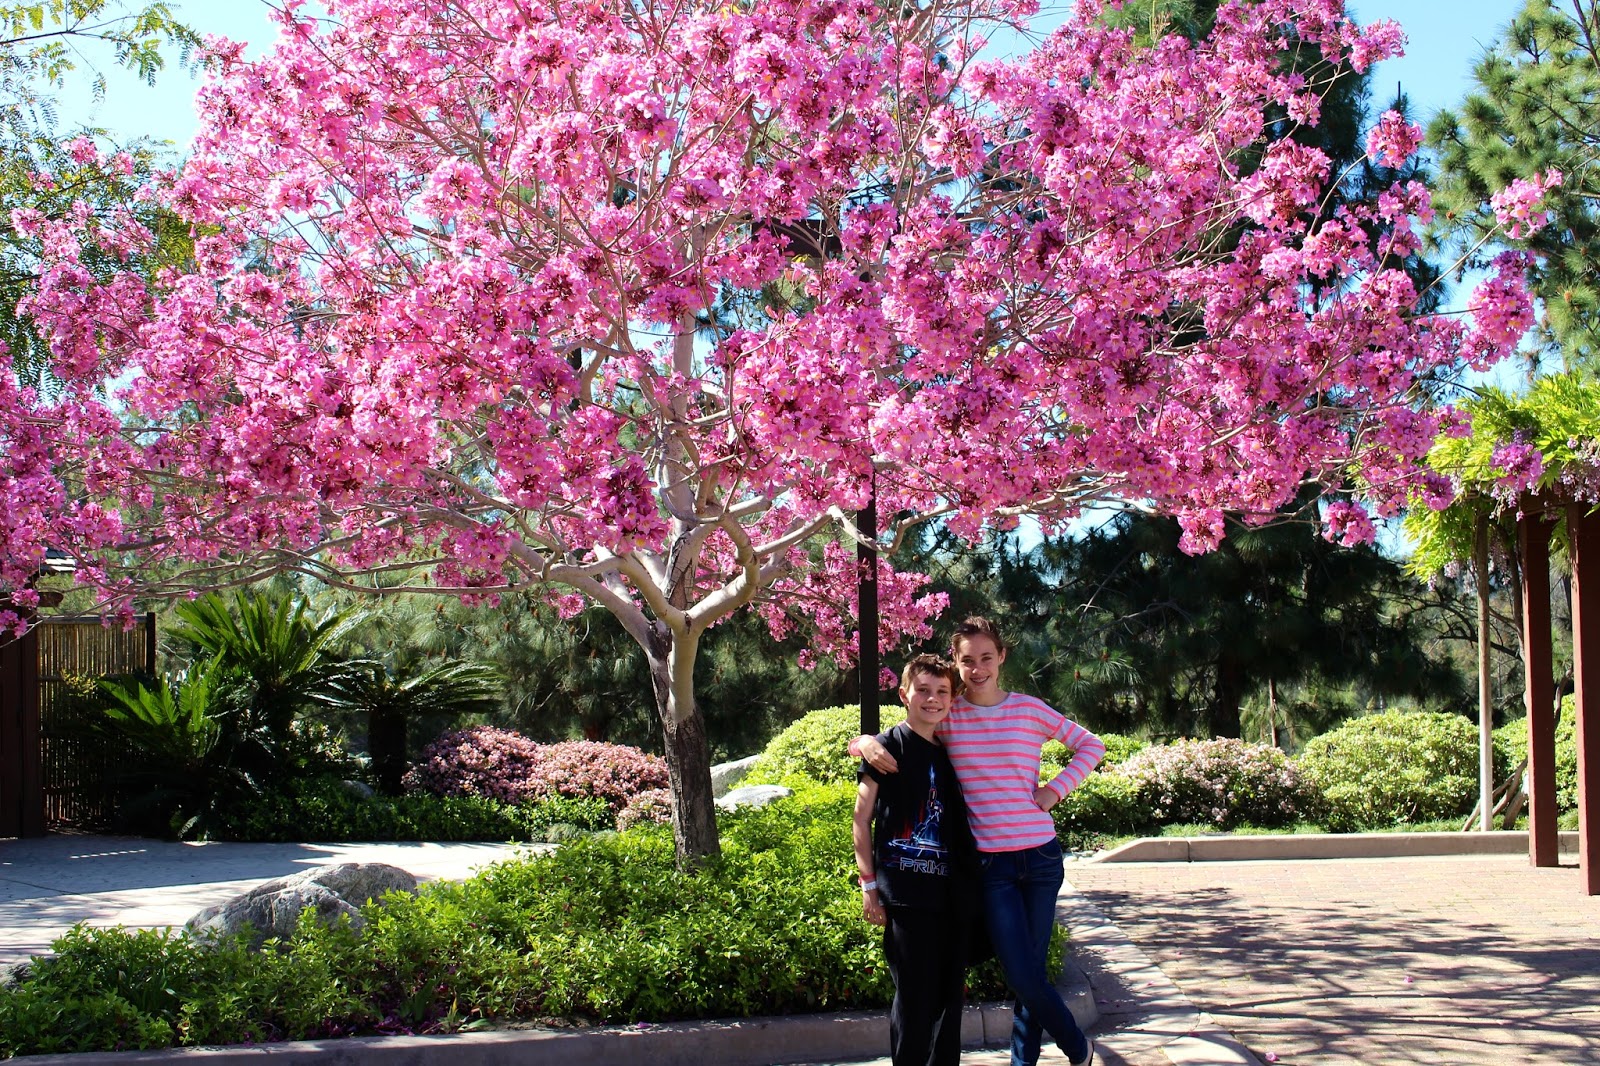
(507,766)
(1520,465)
(1516,207)
(475,292)
(1393,140)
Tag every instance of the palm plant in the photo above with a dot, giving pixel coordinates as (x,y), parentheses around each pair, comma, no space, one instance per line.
(391,699)
(276,640)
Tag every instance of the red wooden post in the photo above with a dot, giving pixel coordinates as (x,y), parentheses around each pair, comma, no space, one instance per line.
(32,813)
(10,737)
(1583,530)
(1533,537)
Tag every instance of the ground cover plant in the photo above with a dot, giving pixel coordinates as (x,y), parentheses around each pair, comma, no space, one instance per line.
(603,929)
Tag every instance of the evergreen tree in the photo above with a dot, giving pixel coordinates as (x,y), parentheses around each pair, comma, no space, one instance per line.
(1535,108)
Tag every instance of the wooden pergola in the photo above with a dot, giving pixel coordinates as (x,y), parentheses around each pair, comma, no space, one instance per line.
(1536,522)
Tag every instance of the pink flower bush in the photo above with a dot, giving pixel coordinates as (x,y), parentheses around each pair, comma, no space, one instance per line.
(652,807)
(1224,783)
(507,766)
(480,761)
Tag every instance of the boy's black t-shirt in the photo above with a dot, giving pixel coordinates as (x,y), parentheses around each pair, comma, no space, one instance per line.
(922,846)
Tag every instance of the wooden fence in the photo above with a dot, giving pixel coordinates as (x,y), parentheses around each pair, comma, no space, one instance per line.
(76,760)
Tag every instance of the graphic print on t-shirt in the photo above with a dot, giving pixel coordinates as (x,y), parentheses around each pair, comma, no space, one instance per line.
(919,846)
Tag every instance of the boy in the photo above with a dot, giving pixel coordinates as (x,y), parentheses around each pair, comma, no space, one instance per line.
(918,865)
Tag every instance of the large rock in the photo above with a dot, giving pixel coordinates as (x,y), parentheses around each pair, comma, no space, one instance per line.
(273,909)
(753,796)
(725,775)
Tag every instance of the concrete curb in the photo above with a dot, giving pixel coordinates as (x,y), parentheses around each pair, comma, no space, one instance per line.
(805,1038)
(1226,848)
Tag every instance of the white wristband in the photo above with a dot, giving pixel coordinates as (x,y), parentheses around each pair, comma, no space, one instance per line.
(868,886)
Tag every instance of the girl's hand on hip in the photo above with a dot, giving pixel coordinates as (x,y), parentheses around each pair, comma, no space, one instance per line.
(1045,798)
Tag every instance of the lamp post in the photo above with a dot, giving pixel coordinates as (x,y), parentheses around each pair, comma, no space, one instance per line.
(867,611)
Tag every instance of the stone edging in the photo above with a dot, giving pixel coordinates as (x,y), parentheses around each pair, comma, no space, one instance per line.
(1227,848)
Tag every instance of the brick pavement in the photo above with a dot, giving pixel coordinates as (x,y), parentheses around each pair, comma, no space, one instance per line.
(1438,960)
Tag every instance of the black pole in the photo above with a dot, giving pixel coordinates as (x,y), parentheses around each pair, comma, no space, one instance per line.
(867,613)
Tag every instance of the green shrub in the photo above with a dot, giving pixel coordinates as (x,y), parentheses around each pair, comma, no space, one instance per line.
(605,929)
(1106,805)
(1119,749)
(816,747)
(1511,746)
(327,810)
(1396,767)
(1223,783)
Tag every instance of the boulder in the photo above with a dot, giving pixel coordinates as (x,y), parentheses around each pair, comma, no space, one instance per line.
(753,796)
(726,775)
(16,974)
(273,909)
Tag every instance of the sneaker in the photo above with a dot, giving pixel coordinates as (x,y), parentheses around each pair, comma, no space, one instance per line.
(1088,1056)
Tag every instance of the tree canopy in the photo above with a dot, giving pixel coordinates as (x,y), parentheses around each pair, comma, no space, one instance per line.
(460,308)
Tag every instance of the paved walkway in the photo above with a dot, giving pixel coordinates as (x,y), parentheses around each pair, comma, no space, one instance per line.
(1375,961)
(49,884)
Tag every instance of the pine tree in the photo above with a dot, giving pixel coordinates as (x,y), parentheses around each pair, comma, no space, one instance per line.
(1536,108)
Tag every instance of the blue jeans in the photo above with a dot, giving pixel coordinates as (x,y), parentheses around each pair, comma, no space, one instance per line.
(1019,905)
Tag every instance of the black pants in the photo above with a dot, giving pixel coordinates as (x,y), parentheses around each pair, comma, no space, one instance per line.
(927,955)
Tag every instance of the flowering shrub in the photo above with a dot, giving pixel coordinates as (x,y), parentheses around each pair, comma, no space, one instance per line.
(1390,768)
(816,747)
(1224,782)
(615,773)
(507,766)
(480,761)
(653,806)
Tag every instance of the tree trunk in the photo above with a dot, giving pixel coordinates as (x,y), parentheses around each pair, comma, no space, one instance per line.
(1226,698)
(1480,571)
(386,744)
(688,749)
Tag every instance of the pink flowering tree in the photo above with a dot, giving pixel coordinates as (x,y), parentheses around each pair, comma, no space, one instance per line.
(637,302)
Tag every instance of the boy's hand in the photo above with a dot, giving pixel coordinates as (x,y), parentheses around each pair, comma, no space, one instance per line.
(872,907)
(876,754)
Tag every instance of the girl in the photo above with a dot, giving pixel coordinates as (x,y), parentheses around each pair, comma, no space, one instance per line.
(994,738)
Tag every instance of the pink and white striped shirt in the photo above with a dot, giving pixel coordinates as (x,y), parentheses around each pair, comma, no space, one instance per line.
(995,752)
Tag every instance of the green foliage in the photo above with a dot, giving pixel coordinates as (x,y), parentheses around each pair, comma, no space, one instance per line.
(328,810)
(1119,749)
(816,748)
(274,639)
(1385,769)
(1533,110)
(172,720)
(604,930)
(1106,805)
(1511,746)
(1558,414)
